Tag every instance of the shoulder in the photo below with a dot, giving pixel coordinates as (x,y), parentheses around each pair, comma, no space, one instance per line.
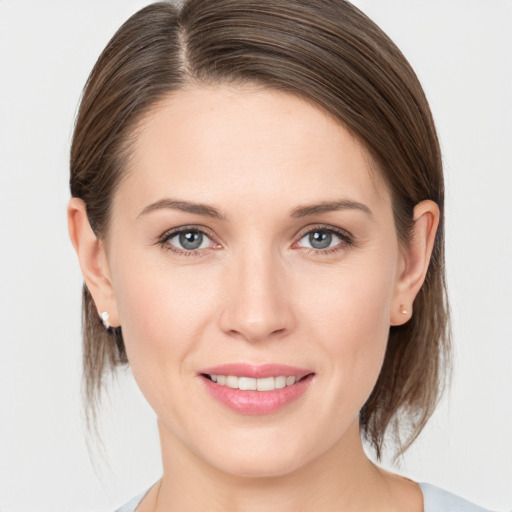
(439,500)
(132,504)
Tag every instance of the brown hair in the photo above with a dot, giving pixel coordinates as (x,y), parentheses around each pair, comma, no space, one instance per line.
(327,52)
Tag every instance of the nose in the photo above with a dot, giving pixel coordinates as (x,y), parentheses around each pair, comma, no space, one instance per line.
(257,303)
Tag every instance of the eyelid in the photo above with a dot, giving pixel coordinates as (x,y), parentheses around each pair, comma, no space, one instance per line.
(345,235)
(167,235)
(347,239)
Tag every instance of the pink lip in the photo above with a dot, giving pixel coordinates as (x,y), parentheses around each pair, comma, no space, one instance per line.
(257,372)
(257,402)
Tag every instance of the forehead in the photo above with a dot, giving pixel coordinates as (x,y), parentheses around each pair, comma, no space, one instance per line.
(252,142)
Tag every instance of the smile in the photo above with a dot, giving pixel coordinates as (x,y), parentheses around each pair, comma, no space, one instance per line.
(249,383)
(256,390)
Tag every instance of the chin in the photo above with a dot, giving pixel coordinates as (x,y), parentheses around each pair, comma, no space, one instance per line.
(274,457)
(258,467)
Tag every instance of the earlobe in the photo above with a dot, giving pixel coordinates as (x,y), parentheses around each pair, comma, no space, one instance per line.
(416,260)
(92,259)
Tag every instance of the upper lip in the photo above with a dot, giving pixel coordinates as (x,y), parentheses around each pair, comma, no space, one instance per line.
(256,371)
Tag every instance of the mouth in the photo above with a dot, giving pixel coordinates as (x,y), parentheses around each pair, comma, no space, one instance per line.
(252,384)
(256,390)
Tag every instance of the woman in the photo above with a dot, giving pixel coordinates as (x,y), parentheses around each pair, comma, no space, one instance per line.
(258,213)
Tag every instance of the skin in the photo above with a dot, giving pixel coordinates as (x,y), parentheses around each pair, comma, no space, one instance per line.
(256,292)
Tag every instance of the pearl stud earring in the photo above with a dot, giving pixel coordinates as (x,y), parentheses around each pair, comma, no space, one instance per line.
(403,310)
(104,319)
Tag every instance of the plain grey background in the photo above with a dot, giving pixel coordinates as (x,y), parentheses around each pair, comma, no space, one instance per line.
(461,50)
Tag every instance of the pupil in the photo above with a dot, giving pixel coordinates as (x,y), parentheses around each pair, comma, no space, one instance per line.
(191,239)
(320,239)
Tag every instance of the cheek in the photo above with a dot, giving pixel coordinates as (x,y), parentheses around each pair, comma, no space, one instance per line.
(351,324)
(162,313)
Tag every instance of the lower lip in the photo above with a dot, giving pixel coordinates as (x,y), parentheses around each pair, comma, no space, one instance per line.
(257,402)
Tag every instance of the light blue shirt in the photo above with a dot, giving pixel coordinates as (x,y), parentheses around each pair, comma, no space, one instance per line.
(439,500)
(434,500)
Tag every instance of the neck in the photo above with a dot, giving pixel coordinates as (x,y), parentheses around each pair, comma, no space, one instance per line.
(338,480)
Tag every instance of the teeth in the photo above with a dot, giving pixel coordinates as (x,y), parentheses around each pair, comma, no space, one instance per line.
(267,384)
(248,383)
(232,382)
(280,382)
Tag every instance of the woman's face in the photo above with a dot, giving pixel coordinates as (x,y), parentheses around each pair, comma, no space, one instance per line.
(252,231)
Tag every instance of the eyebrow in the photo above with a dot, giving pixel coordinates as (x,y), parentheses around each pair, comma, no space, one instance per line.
(185,206)
(212,212)
(329,206)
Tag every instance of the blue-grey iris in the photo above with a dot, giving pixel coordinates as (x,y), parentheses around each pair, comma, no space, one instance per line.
(191,239)
(320,239)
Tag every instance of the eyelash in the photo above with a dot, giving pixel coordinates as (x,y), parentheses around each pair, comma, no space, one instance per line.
(347,240)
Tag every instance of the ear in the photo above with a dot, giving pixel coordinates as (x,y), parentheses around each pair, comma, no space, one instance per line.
(415,261)
(93,260)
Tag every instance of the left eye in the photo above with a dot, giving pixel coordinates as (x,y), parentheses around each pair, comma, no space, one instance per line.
(189,240)
(320,239)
